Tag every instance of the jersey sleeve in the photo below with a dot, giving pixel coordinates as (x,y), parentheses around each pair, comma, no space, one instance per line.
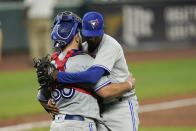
(92,75)
(106,56)
(101,83)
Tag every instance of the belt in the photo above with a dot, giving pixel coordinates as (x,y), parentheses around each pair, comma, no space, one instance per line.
(120,99)
(69,117)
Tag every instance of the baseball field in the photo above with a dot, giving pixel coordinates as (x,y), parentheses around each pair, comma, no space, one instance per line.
(165,86)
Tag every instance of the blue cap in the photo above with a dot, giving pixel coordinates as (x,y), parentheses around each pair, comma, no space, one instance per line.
(92,24)
(64,30)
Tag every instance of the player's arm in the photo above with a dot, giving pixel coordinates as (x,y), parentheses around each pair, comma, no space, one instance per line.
(102,65)
(117,89)
(112,90)
(49,106)
(47,103)
(91,75)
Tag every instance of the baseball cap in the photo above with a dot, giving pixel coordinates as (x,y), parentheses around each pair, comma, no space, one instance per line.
(92,24)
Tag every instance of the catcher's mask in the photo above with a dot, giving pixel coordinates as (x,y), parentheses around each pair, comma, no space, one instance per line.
(65,27)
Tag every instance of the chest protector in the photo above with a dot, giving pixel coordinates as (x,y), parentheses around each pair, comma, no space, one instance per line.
(61,65)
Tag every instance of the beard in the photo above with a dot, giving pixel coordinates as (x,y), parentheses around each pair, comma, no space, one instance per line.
(80,46)
(92,47)
(80,43)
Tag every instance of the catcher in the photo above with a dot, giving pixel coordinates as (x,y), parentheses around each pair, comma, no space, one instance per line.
(72,101)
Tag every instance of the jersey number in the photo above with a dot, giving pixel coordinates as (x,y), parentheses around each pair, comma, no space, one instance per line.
(63,93)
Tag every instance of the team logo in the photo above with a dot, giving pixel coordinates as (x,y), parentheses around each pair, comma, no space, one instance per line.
(65,93)
(94,23)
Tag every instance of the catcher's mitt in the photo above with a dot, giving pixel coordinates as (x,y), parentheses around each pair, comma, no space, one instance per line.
(45,70)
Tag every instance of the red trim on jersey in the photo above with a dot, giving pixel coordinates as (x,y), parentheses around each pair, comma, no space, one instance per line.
(60,66)
(83,91)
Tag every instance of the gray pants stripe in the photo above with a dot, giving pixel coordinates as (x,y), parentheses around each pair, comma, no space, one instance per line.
(90,127)
(132,114)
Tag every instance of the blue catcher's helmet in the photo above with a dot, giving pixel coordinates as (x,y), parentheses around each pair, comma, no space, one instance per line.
(66,25)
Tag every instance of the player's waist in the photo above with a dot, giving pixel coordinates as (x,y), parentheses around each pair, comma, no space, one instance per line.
(68,117)
(119,99)
(129,93)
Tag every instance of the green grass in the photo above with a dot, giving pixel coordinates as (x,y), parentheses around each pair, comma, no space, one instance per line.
(164,78)
(18,94)
(154,79)
(142,129)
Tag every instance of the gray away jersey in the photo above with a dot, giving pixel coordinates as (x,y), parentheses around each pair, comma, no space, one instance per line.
(118,116)
(71,101)
(110,56)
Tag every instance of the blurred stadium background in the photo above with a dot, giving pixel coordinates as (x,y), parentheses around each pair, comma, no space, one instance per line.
(159,40)
(136,24)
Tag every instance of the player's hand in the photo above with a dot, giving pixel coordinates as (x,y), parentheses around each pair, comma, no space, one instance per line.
(55,74)
(131,80)
(51,106)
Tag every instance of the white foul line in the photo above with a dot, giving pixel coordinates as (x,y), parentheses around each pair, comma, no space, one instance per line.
(167,105)
(26,126)
(142,109)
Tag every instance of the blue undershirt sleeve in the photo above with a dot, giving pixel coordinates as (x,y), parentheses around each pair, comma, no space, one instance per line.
(92,75)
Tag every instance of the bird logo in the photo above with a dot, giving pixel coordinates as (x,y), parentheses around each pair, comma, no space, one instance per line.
(94,23)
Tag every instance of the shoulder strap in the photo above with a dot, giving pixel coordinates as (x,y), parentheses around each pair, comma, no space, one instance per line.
(60,64)
(71,53)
